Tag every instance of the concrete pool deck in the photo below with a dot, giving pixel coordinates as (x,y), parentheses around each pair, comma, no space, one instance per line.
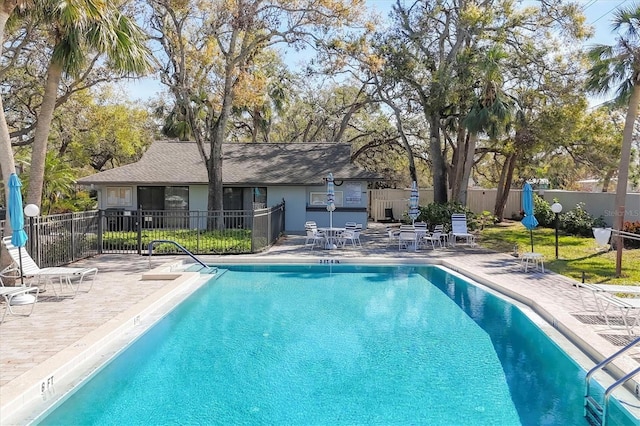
(40,354)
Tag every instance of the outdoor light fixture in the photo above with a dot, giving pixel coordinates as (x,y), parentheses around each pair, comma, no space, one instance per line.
(556,208)
(31,211)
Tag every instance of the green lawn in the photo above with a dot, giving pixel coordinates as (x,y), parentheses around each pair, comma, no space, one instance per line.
(576,254)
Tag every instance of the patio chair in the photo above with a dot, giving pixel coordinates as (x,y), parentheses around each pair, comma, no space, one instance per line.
(444,237)
(351,235)
(434,238)
(459,230)
(407,238)
(18,296)
(26,267)
(393,233)
(314,238)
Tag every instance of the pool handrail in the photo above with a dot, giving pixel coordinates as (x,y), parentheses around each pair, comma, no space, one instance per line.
(187,252)
(610,389)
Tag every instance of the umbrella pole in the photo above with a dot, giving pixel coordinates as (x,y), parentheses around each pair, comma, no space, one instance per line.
(21,274)
(531,233)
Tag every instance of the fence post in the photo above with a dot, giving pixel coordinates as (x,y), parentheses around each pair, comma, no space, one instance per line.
(73,239)
(283,219)
(253,229)
(139,230)
(198,232)
(100,230)
(270,227)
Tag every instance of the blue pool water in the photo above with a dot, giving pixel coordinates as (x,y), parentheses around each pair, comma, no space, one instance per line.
(316,345)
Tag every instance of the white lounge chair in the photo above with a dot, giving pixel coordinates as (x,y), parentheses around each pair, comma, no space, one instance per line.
(629,309)
(630,290)
(27,268)
(459,230)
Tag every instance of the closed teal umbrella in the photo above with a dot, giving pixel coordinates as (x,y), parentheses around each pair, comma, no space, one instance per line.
(331,198)
(414,209)
(529,221)
(16,217)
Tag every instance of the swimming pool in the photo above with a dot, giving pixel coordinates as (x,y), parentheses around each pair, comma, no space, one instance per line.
(338,344)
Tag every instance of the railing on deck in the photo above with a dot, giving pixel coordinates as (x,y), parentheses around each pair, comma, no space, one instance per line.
(63,238)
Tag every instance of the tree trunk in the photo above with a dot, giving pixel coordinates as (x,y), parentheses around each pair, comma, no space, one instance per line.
(41,136)
(623,169)
(7,162)
(217,136)
(438,166)
(504,186)
(470,147)
(607,180)
(413,174)
(457,164)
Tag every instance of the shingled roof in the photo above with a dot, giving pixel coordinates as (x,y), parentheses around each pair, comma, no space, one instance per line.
(173,162)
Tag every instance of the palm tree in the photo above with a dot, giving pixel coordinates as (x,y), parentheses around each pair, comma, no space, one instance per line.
(490,113)
(618,67)
(77,28)
(7,163)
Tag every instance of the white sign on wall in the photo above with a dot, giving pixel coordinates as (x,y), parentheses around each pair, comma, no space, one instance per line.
(353,193)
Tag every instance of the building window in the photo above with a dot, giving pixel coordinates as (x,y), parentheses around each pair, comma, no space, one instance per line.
(232,198)
(176,198)
(118,196)
(320,198)
(259,198)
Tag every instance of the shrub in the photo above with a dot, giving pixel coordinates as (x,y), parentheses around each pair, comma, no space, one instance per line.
(577,221)
(486,218)
(439,213)
(542,212)
(599,222)
(634,228)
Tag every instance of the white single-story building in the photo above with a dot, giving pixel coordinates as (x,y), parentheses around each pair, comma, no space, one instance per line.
(171,175)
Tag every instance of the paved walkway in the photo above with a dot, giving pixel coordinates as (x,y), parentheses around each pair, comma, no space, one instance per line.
(36,350)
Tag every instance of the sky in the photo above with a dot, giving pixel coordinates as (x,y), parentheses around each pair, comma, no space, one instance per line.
(598,13)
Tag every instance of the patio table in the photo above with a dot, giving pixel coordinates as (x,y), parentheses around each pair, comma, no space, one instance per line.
(332,235)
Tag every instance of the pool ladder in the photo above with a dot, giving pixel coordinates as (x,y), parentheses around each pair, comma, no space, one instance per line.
(595,411)
(204,267)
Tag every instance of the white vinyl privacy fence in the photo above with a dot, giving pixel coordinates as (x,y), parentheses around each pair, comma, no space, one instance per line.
(479,200)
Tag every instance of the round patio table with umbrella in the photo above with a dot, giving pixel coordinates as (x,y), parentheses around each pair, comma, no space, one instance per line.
(331,198)
(331,206)
(529,221)
(414,210)
(16,217)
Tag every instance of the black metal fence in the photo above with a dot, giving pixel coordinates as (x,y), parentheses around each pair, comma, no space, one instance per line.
(64,238)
